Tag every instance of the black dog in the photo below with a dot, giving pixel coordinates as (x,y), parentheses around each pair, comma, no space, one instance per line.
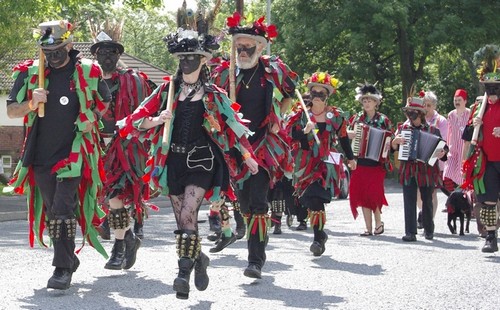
(458,205)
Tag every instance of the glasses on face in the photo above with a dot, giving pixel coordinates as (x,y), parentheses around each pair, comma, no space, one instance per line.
(411,113)
(106,52)
(54,53)
(318,94)
(188,57)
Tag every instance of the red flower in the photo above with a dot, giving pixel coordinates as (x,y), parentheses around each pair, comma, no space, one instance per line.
(314,78)
(421,94)
(22,67)
(272,32)
(233,21)
(166,78)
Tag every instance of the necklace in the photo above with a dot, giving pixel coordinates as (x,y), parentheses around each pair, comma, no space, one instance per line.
(190,89)
(247,84)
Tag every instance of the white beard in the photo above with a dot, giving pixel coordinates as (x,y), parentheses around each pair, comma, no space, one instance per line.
(248,64)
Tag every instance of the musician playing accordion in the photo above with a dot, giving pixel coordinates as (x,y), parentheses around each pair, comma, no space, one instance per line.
(371,135)
(419,146)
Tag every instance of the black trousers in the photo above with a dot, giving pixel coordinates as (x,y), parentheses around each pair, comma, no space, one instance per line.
(410,207)
(253,196)
(60,199)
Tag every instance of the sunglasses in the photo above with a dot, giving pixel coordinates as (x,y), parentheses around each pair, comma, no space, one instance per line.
(106,52)
(412,113)
(318,94)
(189,57)
(54,53)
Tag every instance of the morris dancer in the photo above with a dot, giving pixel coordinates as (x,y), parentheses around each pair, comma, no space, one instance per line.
(263,87)
(125,158)
(482,166)
(60,168)
(315,176)
(189,164)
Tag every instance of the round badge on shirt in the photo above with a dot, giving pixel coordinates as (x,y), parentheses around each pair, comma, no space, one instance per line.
(64,100)
(329,115)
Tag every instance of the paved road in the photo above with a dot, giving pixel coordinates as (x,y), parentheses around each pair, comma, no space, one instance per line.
(379,272)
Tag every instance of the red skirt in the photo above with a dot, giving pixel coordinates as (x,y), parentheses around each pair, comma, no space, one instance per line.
(366,188)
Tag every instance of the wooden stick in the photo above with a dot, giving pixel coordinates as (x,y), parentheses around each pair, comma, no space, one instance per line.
(482,109)
(297,92)
(170,102)
(41,81)
(232,73)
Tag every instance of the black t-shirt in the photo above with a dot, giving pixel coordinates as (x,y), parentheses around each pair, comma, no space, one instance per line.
(252,98)
(56,130)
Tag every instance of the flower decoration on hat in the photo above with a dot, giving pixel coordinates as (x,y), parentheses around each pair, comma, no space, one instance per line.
(53,34)
(192,35)
(258,29)
(367,90)
(487,59)
(323,79)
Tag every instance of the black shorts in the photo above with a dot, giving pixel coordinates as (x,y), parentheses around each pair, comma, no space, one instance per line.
(196,167)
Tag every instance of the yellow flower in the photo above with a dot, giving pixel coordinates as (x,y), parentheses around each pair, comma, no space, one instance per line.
(334,82)
(321,77)
(65,36)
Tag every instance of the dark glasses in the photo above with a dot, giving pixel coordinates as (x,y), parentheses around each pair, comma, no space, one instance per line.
(105,52)
(54,53)
(189,57)
(318,94)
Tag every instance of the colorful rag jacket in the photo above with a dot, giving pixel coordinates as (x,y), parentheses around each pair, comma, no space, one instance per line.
(84,159)
(125,159)
(221,123)
(474,165)
(273,150)
(310,164)
(380,121)
(424,174)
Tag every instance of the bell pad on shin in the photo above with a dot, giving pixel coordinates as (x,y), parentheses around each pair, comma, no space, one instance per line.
(488,215)
(62,229)
(188,244)
(118,218)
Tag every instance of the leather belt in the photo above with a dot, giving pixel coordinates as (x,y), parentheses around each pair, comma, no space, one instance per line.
(184,148)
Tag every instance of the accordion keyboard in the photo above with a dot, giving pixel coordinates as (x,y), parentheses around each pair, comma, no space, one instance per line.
(405,148)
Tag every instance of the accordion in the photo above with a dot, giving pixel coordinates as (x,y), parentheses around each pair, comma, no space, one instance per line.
(370,142)
(421,146)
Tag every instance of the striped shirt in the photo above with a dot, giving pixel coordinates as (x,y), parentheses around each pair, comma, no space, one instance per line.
(456,126)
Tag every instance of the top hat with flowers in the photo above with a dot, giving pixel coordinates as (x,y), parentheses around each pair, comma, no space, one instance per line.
(192,35)
(487,59)
(257,30)
(104,40)
(54,34)
(323,79)
(367,90)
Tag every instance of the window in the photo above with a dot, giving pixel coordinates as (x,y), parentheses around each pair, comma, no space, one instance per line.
(7,161)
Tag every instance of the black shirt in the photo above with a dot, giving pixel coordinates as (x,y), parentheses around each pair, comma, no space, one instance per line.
(252,98)
(55,131)
(188,122)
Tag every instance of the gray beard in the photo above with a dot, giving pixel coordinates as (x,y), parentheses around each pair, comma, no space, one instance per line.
(248,64)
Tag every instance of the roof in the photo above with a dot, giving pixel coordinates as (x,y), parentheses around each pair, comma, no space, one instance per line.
(7,62)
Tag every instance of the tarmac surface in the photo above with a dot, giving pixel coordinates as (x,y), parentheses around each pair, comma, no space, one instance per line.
(378,272)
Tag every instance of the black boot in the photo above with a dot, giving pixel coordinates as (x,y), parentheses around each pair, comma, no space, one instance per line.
(223,242)
(256,251)
(132,244)
(181,283)
(318,246)
(117,259)
(214,222)
(61,279)
(490,245)
(240,224)
(104,230)
(200,272)
(138,229)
